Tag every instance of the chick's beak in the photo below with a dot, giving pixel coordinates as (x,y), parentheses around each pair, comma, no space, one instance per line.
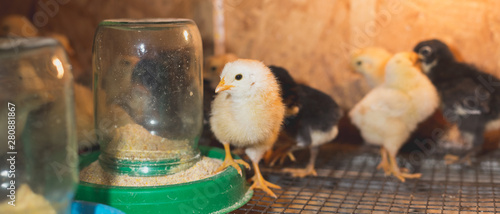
(222,86)
(414,58)
(420,57)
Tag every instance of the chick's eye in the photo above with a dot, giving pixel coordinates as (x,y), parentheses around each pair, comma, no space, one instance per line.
(213,68)
(425,51)
(359,63)
(238,77)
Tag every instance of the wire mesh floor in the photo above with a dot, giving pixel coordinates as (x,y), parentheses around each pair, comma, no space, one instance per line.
(348,182)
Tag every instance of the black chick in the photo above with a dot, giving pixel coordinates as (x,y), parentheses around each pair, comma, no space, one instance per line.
(470,98)
(311,120)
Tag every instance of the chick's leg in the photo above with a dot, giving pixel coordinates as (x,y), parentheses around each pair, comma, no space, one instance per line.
(255,154)
(396,171)
(260,183)
(472,133)
(229,161)
(454,139)
(281,150)
(309,170)
(384,163)
(281,153)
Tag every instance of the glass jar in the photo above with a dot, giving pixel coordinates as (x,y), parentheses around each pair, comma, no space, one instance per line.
(38,164)
(148,95)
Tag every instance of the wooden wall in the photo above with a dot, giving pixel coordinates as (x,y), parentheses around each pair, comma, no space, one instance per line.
(311,38)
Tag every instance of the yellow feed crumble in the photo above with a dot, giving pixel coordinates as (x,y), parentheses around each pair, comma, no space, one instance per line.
(202,169)
(134,142)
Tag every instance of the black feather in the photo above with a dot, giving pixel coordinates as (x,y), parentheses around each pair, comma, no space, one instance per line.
(289,89)
(317,110)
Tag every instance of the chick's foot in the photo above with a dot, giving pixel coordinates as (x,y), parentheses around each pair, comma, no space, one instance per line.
(229,161)
(300,173)
(309,170)
(260,183)
(279,153)
(401,173)
(282,157)
(453,159)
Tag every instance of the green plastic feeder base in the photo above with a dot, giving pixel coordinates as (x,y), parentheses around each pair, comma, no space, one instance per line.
(221,193)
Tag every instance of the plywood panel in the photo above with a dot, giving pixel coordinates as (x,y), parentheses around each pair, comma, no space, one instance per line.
(313,39)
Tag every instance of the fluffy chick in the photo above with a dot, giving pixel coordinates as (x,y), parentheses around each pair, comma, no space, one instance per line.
(313,125)
(247,112)
(17,25)
(388,114)
(470,98)
(370,62)
(211,74)
(214,65)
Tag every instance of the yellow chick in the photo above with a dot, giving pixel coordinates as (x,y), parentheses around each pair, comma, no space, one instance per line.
(84,111)
(391,112)
(214,65)
(17,25)
(247,112)
(370,62)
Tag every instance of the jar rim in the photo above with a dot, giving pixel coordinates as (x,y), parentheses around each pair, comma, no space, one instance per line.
(154,21)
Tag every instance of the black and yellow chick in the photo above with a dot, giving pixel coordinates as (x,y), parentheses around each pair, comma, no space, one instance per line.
(311,120)
(470,98)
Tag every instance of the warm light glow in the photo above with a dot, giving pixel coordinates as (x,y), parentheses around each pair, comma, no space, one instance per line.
(59,67)
(186,34)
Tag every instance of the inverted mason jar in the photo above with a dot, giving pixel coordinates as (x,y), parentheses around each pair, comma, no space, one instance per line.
(38,153)
(148,95)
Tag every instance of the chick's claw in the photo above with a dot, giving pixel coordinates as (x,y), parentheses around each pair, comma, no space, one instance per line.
(281,152)
(234,163)
(453,159)
(266,183)
(385,166)
(260,183)
(229,161)
(403,176)
(301,173)
(282,157)
(401,173)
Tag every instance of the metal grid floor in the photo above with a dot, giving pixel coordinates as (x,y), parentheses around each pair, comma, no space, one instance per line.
(348,182)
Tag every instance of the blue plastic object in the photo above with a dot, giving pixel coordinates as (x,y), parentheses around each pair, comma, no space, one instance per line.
(83,207)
